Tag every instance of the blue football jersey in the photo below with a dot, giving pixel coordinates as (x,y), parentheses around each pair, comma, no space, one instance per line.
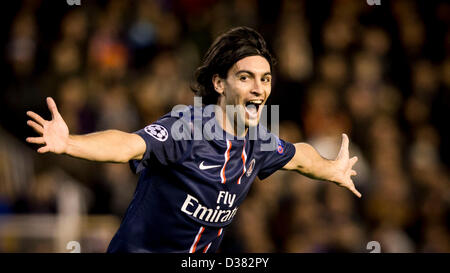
(190,189)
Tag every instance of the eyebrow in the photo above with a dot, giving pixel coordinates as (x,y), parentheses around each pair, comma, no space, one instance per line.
(251,73)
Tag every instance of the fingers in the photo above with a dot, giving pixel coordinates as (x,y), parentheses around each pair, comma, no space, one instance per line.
(36,140)
(351,187)
(39,140)
(43,150)
(355,192)
(38,128)
(36,117)
(353,160)
(52,107)
(344,144)
(344,147)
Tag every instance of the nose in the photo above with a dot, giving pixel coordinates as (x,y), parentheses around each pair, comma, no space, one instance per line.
(257,88)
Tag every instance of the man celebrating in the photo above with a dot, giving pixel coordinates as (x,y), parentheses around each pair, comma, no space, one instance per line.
(190,189)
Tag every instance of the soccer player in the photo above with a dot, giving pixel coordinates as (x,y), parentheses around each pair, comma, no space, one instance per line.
(190,189)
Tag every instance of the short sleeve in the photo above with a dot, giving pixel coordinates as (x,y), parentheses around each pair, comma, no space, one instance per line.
(275,159)
(161,145)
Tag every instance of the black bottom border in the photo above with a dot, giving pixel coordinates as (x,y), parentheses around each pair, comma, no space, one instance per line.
(380,262)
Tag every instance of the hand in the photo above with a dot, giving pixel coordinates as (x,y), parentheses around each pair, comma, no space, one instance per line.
(54,133)
(343,168)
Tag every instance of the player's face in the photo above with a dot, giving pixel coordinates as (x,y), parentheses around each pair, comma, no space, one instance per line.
(248,84)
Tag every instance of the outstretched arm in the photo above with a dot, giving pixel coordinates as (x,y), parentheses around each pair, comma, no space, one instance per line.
(308,161)
(106,146)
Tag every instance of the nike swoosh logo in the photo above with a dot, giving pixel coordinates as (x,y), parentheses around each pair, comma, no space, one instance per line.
(203,167)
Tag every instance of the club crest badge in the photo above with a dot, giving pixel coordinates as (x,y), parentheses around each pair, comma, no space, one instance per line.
(280,147)
(250,168)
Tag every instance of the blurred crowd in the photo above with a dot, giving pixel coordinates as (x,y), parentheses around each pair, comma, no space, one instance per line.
(379,73)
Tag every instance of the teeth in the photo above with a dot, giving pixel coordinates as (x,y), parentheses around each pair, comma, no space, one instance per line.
(256,101)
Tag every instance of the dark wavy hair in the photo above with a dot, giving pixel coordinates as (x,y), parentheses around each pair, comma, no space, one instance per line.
(227,49)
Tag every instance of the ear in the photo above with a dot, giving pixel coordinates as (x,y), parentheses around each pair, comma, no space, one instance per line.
(218,83)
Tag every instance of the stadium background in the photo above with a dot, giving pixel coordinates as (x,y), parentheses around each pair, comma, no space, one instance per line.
(381,73)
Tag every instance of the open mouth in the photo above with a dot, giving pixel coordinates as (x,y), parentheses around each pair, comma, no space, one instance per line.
(252,108)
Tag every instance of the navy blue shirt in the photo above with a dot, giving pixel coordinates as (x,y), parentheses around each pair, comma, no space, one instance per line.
(190,189)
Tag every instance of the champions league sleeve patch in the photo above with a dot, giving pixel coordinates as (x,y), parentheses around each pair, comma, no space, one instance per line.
(157,131)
